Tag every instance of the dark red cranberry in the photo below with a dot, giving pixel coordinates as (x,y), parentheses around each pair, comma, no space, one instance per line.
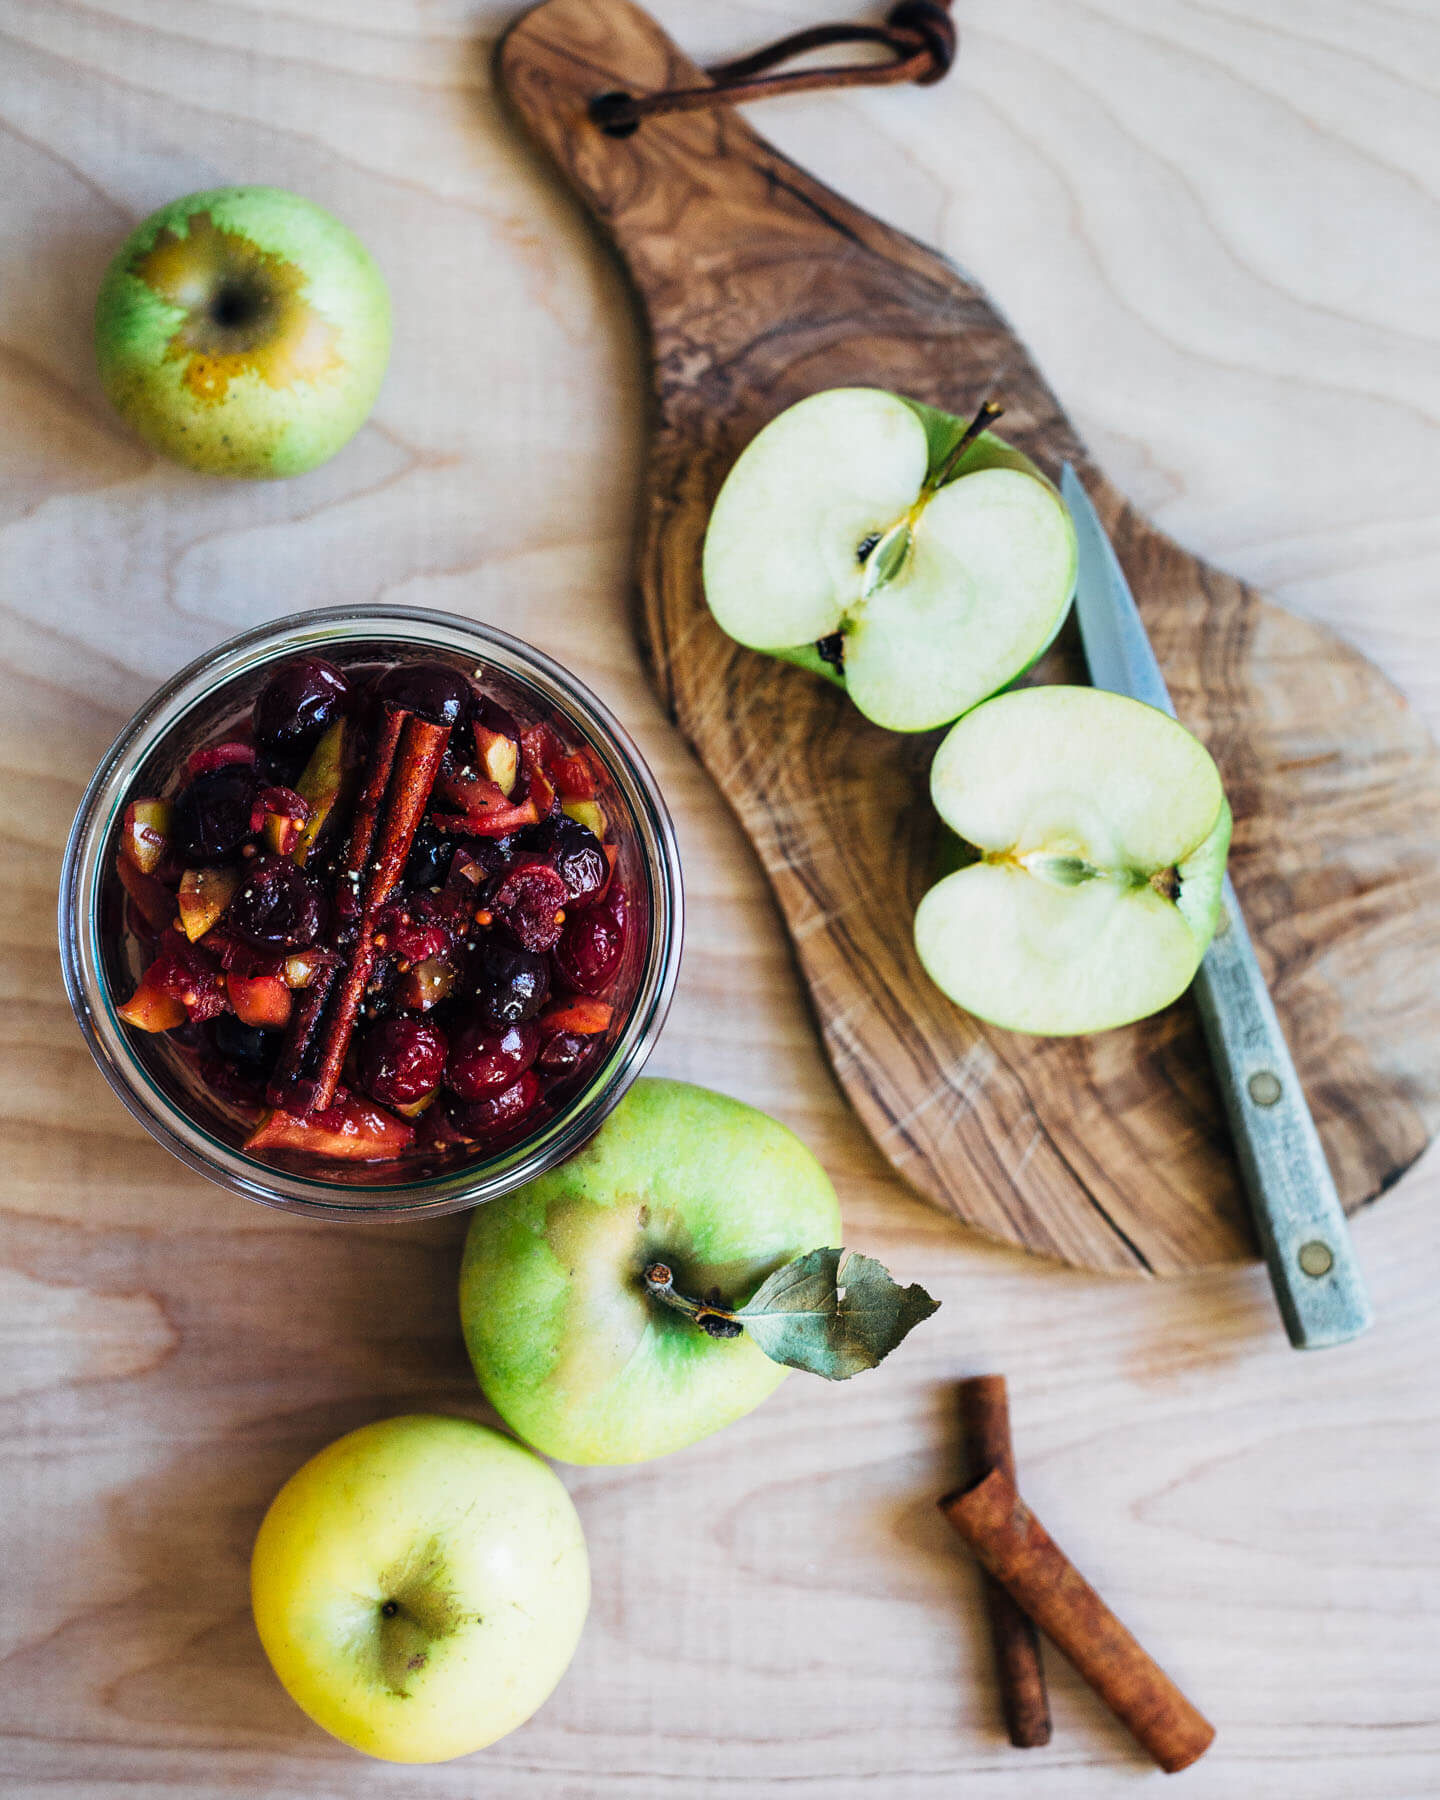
(278,906)
(246,1045)
(575,853)
(237,1084)
(530,903)
(297,703)
(494,717)
(429,857)
(414,929)
(510,985)
(497,1112)
(587,957)
(433,689)
(484,1058)
(212,814)
(401,1061)
(188,973)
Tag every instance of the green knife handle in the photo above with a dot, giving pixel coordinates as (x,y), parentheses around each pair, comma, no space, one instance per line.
(1298,1215)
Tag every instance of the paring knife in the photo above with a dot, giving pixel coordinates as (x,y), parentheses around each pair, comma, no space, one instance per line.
(1298,1215)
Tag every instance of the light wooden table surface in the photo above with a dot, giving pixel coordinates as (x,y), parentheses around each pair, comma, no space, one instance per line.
(1218,228)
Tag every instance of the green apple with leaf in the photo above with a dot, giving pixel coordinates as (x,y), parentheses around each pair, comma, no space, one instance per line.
(243,331)
(420,1586)
(1090,838)
(922,562)
(659,1284)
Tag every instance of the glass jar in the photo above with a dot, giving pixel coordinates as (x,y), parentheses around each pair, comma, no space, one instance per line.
(102,962)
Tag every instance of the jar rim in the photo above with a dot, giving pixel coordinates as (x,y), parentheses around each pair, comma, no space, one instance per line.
(84,868)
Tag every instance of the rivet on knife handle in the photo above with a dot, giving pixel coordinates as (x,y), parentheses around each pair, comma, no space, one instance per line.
(1297,1212)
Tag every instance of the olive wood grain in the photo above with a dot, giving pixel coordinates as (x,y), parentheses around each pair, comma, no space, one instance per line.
(759,286)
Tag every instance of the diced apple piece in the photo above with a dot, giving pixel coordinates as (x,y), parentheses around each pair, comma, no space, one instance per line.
(260,1000)
(319,787)
(498,756)
(145,833)
(352,1129)
(588,813)
(282,814)
(301,969)
(151,898)
(204,895)
(418,1108)
(149,1008)
(481,809)
(583,1016)
(425,985)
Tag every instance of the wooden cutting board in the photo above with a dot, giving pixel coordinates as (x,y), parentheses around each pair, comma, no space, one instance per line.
(759,286)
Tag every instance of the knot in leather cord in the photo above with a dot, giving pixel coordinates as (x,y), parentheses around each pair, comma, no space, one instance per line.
(920,36)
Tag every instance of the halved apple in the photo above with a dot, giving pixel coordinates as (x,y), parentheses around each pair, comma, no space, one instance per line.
(924,563)
(1097,831)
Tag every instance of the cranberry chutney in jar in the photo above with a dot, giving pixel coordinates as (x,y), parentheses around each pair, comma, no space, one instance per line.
(389,914)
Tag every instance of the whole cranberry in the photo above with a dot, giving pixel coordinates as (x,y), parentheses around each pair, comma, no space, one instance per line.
(278,906)
(510,985)
(574,852)
(430,855)
(401,1061)
(484,1059)
(433,689)
(497,1112)
(487,711)
(212,814)
(587,958)
(298,702)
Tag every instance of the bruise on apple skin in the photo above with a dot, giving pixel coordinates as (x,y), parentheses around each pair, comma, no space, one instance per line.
(245,311)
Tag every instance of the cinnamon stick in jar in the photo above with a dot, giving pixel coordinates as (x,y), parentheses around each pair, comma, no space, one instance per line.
(1012,1544)
(400,772)
(419,748)
(1024,1700)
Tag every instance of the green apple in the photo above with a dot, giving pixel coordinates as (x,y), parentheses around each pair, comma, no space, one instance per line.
(420,1587)
(928,564)
(1095,832)
(243,331)
(572,1350)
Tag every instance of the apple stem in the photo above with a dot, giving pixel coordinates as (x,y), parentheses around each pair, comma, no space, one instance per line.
(713,1320)
(983,420)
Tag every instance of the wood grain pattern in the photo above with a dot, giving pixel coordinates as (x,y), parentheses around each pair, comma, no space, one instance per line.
(760,286)
(1192,211)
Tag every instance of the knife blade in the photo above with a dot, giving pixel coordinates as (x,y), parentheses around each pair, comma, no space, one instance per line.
(1298,1217)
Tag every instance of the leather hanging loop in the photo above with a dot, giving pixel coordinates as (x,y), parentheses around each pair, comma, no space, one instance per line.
(919,34)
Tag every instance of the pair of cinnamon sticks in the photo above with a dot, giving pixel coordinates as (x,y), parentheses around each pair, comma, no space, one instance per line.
(400,772)
(1031,1583)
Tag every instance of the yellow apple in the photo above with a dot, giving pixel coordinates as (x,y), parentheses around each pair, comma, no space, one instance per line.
(420,1587)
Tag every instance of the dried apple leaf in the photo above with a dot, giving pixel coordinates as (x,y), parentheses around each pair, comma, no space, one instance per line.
(833,1313)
